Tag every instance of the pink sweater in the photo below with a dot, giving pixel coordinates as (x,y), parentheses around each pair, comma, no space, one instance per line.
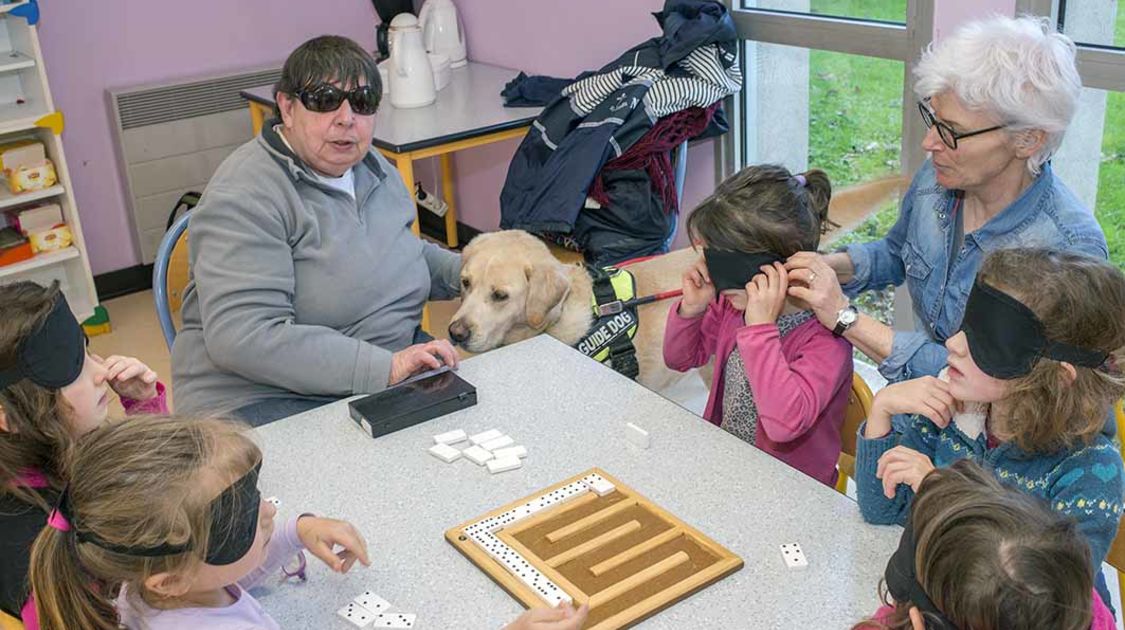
(800,383)
(1102,619)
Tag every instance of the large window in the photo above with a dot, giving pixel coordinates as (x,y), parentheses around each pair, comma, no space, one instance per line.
(1092,158)
(826,83)
(825,87)
(882,10)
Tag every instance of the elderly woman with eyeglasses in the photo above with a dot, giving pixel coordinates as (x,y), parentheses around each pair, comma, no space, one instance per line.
(307,284)
(997,97)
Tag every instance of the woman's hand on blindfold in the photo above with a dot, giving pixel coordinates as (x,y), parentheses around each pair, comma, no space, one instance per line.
(813,281)
(129,377)
(902,465)
(926,396)
(321,536)
(698,290)
(765,295)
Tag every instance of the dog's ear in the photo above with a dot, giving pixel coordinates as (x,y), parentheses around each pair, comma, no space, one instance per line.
(547,285)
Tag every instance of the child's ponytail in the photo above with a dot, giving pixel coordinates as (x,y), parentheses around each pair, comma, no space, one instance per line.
(66,598)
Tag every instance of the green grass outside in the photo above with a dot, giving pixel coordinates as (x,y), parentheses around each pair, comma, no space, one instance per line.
(855,125)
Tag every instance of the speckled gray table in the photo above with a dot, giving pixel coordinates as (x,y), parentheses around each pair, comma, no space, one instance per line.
(570,413)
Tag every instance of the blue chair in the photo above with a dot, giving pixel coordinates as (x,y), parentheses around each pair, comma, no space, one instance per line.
(167,292)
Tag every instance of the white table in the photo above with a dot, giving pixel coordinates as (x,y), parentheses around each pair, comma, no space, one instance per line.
(570,412)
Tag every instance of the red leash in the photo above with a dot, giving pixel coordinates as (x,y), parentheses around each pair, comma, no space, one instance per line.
(613,308)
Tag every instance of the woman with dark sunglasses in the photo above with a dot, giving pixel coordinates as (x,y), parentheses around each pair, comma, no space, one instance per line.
(307,282)
(997,97)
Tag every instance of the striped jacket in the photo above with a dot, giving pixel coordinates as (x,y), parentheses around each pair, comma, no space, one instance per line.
(598,117)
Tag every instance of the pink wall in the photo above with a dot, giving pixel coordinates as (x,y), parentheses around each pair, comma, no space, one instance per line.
(90,47)
(950,13)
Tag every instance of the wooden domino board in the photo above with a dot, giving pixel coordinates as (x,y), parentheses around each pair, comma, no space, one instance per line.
(591,539)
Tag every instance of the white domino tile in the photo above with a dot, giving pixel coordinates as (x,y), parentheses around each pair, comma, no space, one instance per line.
(598,484)
(499,465)
(372,602)
(450,437)
(503,441)
(637,435)
(793,556)
(490,434)
(356,615)
(511,451)
(394,620)
(477,455)
(445,452)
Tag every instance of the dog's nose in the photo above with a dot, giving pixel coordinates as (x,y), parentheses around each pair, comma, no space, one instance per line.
(459,332)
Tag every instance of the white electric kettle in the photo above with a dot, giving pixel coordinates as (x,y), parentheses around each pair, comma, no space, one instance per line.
(412,79)
(442,31)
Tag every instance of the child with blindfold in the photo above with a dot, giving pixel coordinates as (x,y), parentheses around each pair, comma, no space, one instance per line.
(781,379)
(1040,350)
(52,390)
(162,526)
(976,554)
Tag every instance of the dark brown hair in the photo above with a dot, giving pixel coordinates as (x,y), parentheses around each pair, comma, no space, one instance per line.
(38,435)
(325,59)
(993,558)
(764,208)
(141,481)
(1081,301)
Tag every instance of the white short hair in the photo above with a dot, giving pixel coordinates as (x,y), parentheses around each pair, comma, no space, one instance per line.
(1018,69)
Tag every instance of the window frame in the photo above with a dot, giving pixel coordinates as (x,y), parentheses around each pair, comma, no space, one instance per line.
(1101,67)
(855,36)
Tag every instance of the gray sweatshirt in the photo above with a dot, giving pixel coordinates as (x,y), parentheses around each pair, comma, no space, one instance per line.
(296,287)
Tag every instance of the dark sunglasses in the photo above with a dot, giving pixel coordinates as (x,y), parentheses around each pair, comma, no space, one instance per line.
(324,98)
(945,132)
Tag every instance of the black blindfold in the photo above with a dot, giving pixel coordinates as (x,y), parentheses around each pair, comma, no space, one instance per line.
(732,270)
(1006,339)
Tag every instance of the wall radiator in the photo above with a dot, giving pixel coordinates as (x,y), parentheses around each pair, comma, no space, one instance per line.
(170,139)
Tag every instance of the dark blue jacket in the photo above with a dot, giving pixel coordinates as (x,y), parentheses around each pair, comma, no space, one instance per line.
(552,170)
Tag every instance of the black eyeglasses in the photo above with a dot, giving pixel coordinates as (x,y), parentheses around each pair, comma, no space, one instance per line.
(324,98)
(945,132)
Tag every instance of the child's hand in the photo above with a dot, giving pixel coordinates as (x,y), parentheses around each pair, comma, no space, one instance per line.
(927,396)
(321,536)
(902,465)
(765,295)
(129,377)
(698,290)
(565,617)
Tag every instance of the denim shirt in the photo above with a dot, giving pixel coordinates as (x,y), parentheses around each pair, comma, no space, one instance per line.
(919,247)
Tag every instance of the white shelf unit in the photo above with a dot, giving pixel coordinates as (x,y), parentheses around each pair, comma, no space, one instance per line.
(25,98)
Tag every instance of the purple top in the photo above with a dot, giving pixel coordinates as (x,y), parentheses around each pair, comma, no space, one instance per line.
(244,614)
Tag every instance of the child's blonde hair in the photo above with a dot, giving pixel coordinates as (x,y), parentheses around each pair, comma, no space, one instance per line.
(143,481)
(38,435)
(764,208)
(990,557)
(1081,301)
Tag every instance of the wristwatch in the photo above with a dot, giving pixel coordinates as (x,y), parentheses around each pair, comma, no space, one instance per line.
(845,319)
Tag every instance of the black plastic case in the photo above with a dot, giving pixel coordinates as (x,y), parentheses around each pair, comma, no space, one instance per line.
(412,403)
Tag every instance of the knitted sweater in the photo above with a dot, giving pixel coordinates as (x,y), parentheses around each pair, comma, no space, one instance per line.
(1084,482)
